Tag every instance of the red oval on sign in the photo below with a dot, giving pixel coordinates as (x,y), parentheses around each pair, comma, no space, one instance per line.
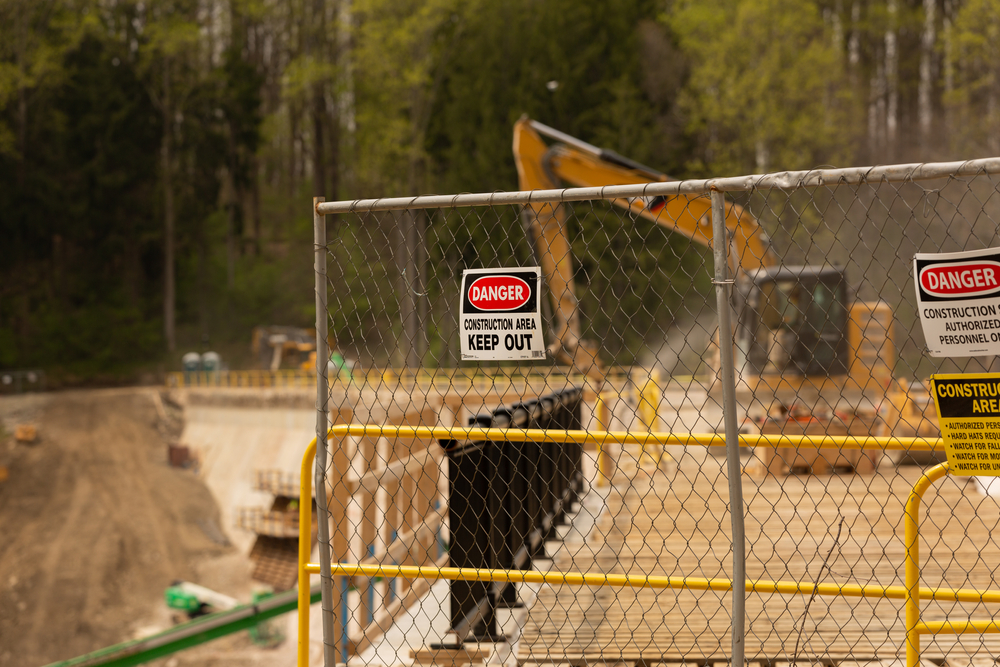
(499,293)
(973,278)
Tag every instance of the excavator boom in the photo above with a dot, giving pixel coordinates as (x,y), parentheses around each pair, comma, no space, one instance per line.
(574,162)
(798,327)
(577,163)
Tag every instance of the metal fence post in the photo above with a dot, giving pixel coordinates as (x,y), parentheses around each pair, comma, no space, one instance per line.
(723,290)
(322,425)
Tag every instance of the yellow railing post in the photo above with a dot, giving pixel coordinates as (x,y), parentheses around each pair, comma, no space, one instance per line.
(649,405)
(912,567)
(603,413)
(601,579)
(914,626)
(911,593)
(305,549)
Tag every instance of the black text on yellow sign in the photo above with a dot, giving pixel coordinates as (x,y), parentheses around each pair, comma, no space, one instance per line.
(968,407)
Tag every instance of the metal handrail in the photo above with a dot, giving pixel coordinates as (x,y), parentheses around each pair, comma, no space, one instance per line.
(911,592)
(914,626)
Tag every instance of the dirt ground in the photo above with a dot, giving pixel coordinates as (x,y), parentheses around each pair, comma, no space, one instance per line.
(94,525)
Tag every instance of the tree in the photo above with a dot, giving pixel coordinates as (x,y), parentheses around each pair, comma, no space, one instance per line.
(170,35)
(974,99)
(768,87)
(76,233)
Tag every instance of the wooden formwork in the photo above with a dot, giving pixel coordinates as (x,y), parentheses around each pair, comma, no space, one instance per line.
(785,460)
(678,525)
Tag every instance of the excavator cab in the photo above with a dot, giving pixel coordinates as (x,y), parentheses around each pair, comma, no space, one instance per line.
(794,321)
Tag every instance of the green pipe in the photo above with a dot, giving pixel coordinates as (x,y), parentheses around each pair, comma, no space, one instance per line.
(186,635)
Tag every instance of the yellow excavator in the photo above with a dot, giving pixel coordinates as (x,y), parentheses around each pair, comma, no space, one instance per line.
(275,345)
(797,328)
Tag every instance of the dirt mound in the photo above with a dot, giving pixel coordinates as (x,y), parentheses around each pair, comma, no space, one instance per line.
(95,525)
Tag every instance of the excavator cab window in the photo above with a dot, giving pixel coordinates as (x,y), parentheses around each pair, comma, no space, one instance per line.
(796,321)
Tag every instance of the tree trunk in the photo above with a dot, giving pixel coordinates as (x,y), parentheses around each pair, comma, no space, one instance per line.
(169,286)
(991,113)
(203,288)
(854,42)
(892,82)
(837,25)
(22,98)
(854,62)
(229,201)
(132,265)
(876,114)
(293,161)
(345,101)
(334,128)
(22,133)
(254,202)
(319,53)
(925,110)
(319,154)
(949,66)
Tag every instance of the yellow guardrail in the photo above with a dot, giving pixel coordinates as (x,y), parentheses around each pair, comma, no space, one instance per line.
(257,379)
(922,444)
(911,592)
(305,547)
(914,626)
(448,378)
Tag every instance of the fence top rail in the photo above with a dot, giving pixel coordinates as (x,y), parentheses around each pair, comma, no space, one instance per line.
(634,437)
(785,180)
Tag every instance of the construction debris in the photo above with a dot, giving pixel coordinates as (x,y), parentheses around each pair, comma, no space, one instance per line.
(26,433)
(445,656)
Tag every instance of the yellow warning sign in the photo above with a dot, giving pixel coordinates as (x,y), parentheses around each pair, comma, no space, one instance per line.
(968,407)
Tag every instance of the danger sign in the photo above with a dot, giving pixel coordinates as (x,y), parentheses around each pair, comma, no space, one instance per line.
(958,297)
(500,316)
(968,407)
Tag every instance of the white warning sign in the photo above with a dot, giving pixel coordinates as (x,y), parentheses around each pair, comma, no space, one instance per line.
(958,298)
(500,316)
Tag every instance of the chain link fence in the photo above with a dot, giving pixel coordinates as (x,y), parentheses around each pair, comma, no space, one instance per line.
(591,496)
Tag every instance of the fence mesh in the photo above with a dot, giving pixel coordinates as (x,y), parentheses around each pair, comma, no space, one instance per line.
(826,341)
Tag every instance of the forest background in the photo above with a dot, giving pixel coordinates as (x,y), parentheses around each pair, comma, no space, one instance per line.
(158,158)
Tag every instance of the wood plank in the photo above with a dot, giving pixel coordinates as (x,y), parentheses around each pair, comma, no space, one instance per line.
(277,482)
(370,520)
(395,472)
(406,542)
(678,524)
(387,615)
(966,661)
(275,561)
(340,497)
(264,522)
(447,657)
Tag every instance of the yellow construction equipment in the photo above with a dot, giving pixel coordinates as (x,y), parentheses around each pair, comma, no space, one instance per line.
(274,344)
(797,327)
(825,360)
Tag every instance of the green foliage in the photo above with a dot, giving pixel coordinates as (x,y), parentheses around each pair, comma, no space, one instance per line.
(398,46)
(496,60)
(80,225)
(409,97)
(975,97)
(768,89)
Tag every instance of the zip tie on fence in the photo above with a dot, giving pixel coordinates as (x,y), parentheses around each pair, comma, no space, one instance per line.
(409,286)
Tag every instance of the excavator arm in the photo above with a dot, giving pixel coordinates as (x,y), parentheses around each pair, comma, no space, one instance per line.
(577,163)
